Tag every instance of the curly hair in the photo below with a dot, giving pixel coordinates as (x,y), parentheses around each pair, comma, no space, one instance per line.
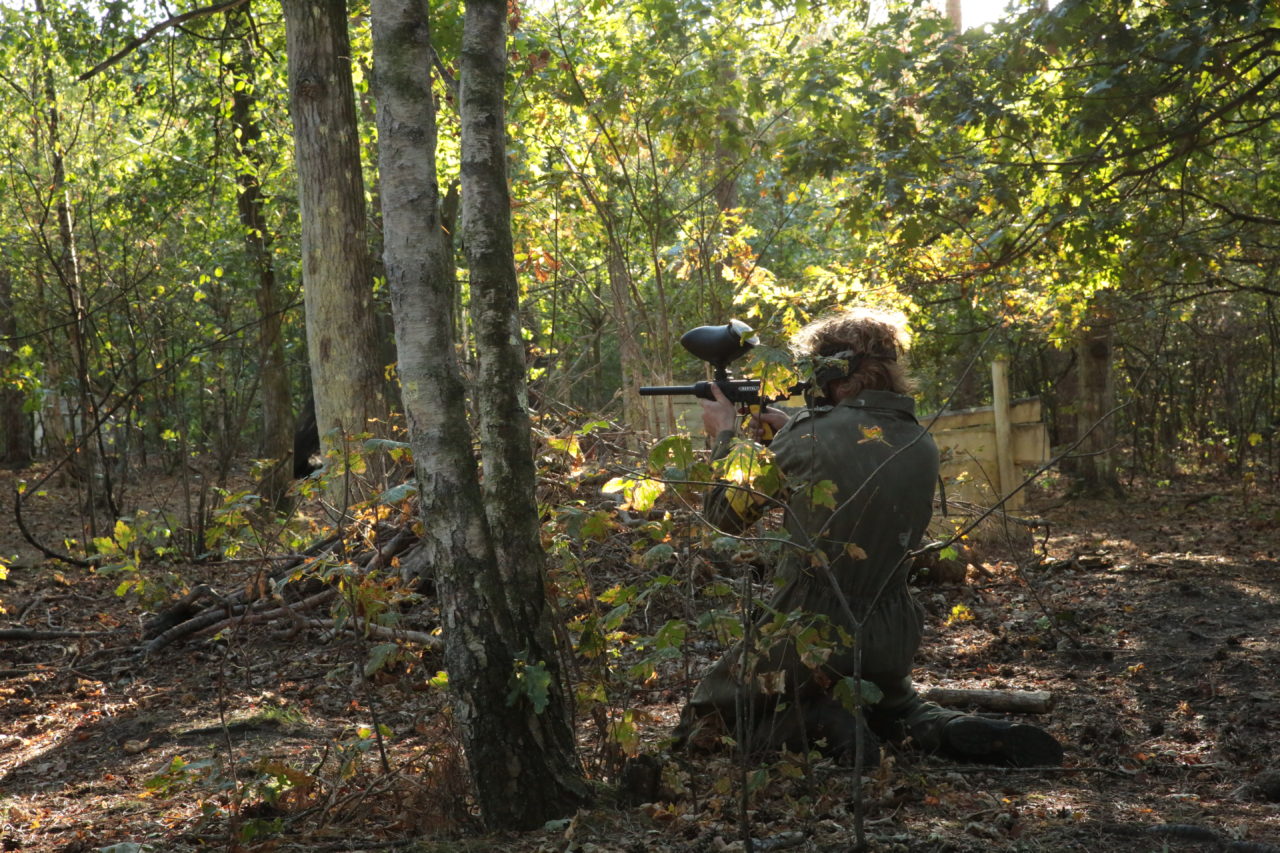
(879,337)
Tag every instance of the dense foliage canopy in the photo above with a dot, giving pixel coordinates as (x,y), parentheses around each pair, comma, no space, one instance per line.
(676,162)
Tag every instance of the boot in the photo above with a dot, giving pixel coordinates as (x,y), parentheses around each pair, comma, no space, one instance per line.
(1000,742)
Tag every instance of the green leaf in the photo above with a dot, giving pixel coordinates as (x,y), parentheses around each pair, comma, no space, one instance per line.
(626,734)
(823,493)
(846,693)
(637,494)
(398,494)
(596,525)
(124,534)
(671,635)
(395,449)
(613,619)
(379,656)
(530,681)
(674,451)
(658,555)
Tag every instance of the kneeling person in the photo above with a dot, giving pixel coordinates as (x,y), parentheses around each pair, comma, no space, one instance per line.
(861,435)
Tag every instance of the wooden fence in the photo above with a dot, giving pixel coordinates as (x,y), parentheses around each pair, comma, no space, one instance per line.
(986,451)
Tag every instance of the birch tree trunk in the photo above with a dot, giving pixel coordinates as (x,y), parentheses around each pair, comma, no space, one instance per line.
(515,728)
(495,308)
(548,780)
(346,376)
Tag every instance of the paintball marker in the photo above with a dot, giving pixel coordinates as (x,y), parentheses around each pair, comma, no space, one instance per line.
(720,346)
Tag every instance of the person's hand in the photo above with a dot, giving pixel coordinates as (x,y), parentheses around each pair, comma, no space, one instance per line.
(775,419)
(719,414)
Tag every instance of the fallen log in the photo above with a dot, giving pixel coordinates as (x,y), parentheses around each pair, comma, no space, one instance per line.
(1005,701)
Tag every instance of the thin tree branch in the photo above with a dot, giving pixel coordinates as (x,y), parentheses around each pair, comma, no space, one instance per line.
(151,32)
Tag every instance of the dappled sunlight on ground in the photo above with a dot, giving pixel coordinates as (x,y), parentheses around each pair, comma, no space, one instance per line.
(1160,656)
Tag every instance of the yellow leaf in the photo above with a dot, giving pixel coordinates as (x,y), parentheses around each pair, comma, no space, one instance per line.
(855,551)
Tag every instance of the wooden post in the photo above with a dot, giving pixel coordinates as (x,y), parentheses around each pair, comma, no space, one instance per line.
(1008,474)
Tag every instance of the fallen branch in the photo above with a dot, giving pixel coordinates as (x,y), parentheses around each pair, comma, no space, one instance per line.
(39,546)
(246,617)
(1006,701)
(187,627)
(38,634)
(382,632)
(182,620)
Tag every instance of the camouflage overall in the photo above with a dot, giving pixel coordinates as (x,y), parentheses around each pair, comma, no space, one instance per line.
(884,467)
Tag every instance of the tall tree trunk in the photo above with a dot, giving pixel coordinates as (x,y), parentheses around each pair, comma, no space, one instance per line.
(548,782)
(342,347)
(66,263)
(518,742)
(55,438)
(15,428)
(1095,458)
(277,411)
(635,413)
(495,306)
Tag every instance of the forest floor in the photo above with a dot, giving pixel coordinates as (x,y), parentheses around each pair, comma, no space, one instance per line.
(1154,621)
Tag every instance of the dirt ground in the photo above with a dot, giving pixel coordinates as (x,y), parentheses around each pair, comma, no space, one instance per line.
(1154,622)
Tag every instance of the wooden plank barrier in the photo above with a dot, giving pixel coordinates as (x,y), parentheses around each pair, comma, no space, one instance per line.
(985,450)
